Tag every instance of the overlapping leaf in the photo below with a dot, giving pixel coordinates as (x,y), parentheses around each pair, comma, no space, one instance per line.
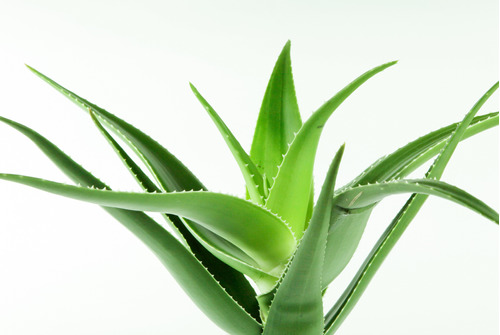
(298,305)
(258,232)
(252,176)
(169,172)
(347,227)
(205,291)
(295,176)
(388,240)
(198,237)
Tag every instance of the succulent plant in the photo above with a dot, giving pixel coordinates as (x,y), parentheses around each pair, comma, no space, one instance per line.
(291,248)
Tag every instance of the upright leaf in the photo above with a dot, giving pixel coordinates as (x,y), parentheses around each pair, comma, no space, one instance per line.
(279,118)
(252,176)
(298,305)
(295,177)
(389,238)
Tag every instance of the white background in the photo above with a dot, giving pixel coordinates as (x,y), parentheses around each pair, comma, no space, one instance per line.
(68,268)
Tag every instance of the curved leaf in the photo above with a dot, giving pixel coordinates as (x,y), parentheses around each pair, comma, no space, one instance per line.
(388,240)
(346,228)
(367,195)
(205,291)
(252,176)
(297,307)
(279,118)
(200,239)
(295,176)
(406,159)
(171,174)
(258,232)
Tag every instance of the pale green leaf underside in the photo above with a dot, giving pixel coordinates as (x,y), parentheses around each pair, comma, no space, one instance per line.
(252,176)
(298,305)
(279,118)
(206,291)
(388,240)
(258,232)
(295,176)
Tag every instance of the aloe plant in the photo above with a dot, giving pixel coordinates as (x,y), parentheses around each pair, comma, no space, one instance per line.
(290,247)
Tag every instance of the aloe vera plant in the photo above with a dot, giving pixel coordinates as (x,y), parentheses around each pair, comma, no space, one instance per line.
(291,248)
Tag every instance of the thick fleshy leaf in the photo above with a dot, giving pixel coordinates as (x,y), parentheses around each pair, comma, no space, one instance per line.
(205,291)
(252,176)
(388,240)
(142,178)
(297,307)
(295,176)
(171,174)
(200,239)
(361,197)
(346,229)
(279,118)
(255,230)
(411,156)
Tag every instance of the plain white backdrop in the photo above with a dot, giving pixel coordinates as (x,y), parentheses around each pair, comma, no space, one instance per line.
(68,268)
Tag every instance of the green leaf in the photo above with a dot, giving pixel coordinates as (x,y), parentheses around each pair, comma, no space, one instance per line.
(367,195)
(142,178)
(279,118)
(298,305)
(346,228)
(411,156)
(205,291)
(200,239)
(171,174)
(252,176)
(258,232)
(291,191)
(388,240)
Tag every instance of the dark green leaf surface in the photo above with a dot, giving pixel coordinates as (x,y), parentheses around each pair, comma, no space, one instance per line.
(205,291)
(388,240)
(298,305)
(279,118)
(295,176)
